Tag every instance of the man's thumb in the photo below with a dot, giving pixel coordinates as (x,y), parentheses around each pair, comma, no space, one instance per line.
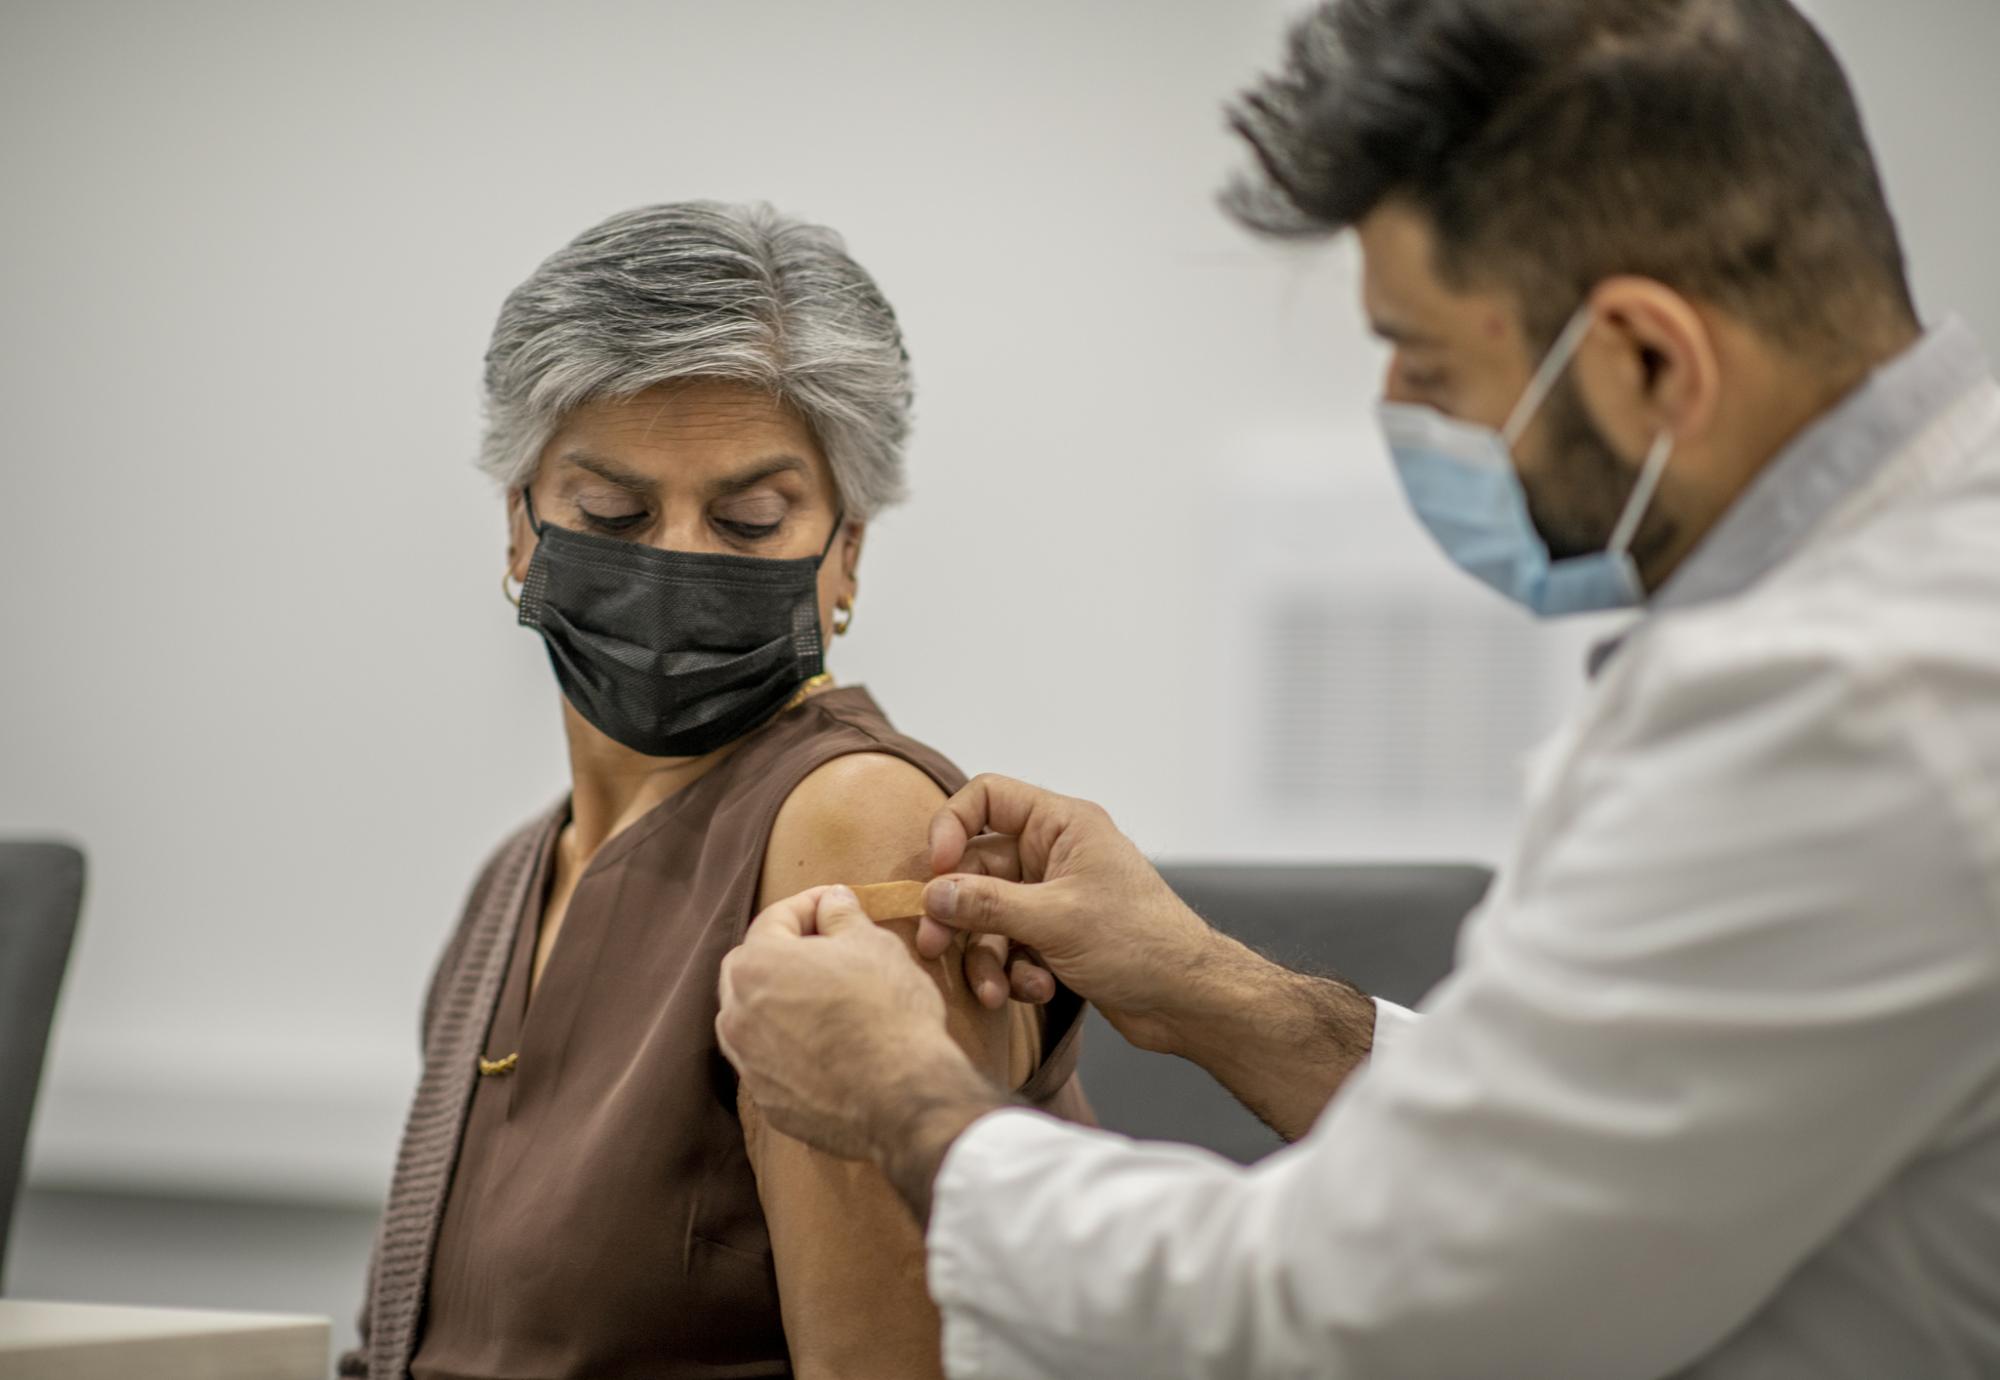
(839,910)
(987,905)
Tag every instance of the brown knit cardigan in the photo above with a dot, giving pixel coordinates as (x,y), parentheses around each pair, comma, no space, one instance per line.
(454,1025)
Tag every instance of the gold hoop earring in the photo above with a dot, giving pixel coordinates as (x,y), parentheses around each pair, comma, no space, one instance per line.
(841,625)
(508,594)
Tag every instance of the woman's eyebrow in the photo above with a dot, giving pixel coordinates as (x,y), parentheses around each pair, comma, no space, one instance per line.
(611,472)
(756,474)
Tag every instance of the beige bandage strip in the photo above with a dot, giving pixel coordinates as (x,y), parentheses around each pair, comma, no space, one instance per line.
(891,900)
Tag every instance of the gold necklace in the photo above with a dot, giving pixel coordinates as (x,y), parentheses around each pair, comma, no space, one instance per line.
(811,687)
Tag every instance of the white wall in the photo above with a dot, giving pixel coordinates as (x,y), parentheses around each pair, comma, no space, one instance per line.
(252,648)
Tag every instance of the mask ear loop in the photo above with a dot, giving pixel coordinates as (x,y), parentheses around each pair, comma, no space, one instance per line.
(535,525)
(1642,494)
(814,684)
(1537,393)
(839,526)
(1545,377)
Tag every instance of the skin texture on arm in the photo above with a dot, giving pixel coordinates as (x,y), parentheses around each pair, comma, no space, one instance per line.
(1282,1042)
(850,1260)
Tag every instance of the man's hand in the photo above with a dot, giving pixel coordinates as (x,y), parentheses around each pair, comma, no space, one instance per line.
(1053,878)
(840,1039)
(1056,878)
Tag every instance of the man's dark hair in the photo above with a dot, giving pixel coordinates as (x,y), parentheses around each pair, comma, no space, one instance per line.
(1713,145)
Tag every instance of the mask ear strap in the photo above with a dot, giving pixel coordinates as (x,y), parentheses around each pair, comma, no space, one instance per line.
(839,525)
(528,502)
(1642,493)
(1545,377)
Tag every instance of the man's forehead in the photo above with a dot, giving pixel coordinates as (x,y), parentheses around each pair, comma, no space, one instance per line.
(1407,301)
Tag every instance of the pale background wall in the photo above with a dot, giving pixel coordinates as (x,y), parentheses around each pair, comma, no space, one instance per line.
(252,649)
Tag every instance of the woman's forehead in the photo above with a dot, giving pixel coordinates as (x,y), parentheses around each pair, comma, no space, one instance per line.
(685,432)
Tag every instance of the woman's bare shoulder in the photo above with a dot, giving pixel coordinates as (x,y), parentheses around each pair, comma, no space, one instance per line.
(862,817)
(866,818)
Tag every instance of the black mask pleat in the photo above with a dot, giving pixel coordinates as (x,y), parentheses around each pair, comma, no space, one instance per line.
(672,653)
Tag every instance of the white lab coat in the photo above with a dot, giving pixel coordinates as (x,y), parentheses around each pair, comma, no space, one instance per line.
(1715,1088)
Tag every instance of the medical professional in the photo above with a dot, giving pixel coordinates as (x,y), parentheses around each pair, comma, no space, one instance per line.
(1715,1087)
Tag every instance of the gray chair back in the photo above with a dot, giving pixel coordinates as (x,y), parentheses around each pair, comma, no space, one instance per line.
(41,894)
(1388,929)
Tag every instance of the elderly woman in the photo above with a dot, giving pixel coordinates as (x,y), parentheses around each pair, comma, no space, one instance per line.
(694,411)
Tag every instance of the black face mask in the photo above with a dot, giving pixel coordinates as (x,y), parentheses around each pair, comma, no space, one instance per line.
(672,653)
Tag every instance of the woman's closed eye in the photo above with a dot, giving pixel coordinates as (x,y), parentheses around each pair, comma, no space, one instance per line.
(613,524)
(750,517)
(740,523)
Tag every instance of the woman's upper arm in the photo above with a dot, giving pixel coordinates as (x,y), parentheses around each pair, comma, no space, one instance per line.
(866,818)
(849,1257)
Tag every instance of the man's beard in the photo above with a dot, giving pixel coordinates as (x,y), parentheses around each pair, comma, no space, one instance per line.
(1579,492)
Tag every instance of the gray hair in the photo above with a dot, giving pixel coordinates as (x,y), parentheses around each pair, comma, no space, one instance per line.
(697,289)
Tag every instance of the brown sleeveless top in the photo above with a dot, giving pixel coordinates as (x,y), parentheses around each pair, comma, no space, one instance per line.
(594,1212)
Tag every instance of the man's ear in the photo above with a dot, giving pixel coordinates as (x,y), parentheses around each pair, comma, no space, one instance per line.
(1648,365)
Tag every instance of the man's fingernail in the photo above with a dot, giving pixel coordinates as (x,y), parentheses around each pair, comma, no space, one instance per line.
(941,899)
(842,893)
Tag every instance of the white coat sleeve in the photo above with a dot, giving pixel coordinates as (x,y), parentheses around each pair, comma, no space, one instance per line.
(1757,969)
(1392,1022)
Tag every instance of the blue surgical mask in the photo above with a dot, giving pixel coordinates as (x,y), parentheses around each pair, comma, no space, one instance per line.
(1460,478)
